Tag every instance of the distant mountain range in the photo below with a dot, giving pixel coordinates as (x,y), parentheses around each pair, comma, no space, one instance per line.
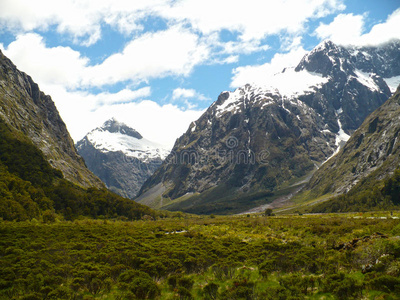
(121,157)
(323,129)
(258,143)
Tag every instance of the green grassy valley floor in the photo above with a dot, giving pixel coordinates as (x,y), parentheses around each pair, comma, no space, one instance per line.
(346,256)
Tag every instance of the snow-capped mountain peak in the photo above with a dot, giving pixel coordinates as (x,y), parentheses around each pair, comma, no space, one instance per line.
(369,65)
(327,65)
(113,126)
(115,136)
(120,156)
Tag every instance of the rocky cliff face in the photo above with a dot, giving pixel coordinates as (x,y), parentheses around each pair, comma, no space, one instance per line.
(372,150)
(356,84)
(258,141)
(121,157)
(30,111)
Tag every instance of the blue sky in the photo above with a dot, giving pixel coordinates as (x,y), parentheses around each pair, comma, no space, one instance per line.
(158,64)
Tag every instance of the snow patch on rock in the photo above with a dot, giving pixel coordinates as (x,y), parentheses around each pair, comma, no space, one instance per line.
(366,80)
(393,83)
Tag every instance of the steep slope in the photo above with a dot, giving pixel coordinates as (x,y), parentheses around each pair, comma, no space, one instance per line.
(120,157)
(256,143)
(24,107)
(371,154)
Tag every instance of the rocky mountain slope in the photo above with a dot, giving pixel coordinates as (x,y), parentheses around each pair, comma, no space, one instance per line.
(28,110)
(372,152)
(121,157)
(260,142)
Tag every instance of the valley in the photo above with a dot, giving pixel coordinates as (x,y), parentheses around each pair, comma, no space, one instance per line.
(284,186)
(329,256)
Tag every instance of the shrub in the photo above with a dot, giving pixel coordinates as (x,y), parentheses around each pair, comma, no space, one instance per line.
(185,282)
(184,294)
(144,288)
(49,216)
(385,283)
(268,212)
(173,281)
(241,289)
(139,284)
(343,286)
(210,291)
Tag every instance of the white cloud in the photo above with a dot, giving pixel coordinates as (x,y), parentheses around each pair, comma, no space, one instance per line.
(348,29)
(383,32)
(180,93)
(243,47)
(80,19)
(344,29)
(185,93)
(58,65)
(230,59)
(291,43)
(122,96)
(253,19)
(262,74)
(149,56)
(152,55)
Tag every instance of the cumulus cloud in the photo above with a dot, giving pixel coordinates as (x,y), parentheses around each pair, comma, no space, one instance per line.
(123,96)
(185,93)
(349,29)
(153,55)
(344,29)
(231,47)
(253,19)
(263,74)
(175,51)
(230,59)
(383,32)
(180,93)
(56,65)
(80,19)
